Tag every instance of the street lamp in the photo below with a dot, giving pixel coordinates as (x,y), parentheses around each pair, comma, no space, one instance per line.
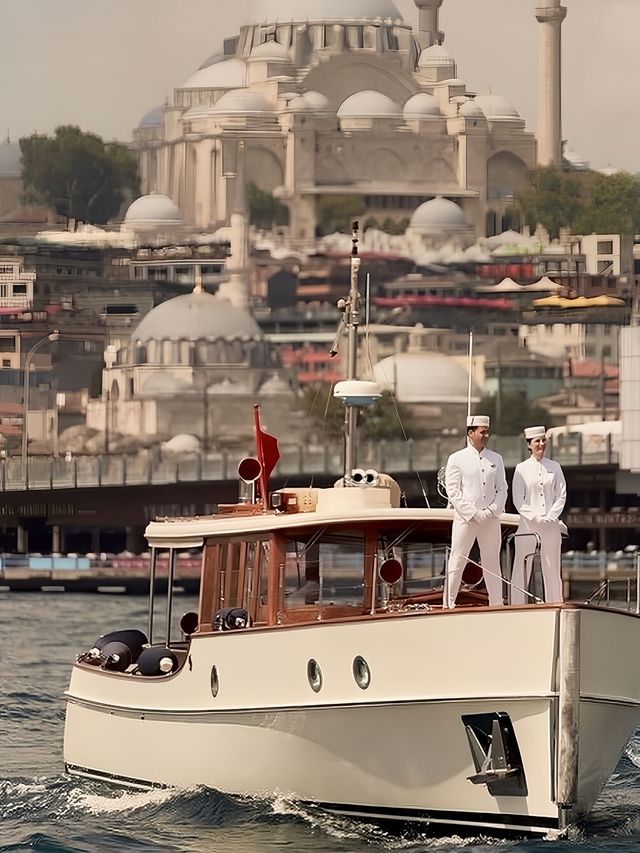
(53,336)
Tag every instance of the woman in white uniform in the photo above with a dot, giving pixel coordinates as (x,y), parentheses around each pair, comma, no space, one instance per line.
(539,492)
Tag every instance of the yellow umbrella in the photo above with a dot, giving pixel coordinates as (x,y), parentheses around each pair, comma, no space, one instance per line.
(606,301)
(554,301)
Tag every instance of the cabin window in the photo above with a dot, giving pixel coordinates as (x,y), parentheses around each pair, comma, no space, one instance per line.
(422,553)
(235,575)
(324,569)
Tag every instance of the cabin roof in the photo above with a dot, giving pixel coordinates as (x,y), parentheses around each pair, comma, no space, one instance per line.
(191,532)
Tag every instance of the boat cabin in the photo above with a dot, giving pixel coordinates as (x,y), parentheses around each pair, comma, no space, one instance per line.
(324,554)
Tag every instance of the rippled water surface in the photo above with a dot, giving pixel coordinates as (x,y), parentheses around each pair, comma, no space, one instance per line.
(43,810)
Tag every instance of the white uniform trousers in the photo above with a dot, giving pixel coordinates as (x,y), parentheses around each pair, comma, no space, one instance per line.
(463,535)
(550,546)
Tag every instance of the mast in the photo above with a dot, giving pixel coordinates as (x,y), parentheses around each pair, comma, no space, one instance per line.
(353,392)
(352,319)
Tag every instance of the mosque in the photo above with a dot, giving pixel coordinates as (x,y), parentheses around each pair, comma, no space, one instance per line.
(344,98)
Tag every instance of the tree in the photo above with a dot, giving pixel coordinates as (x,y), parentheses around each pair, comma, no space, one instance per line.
(78,174)
(553,198)
(337,212)
(265,211)
(385,420)
(511,412)
(614,205)
(585,202)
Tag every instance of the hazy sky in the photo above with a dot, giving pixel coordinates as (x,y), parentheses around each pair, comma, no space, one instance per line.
(103,64)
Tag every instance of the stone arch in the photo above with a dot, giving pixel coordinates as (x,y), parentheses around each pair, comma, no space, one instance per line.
(385,161)
(263,168)
(340,77)
(329,170)
(506,175)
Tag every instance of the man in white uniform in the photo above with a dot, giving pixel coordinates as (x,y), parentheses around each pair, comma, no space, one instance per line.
(477,489)
(539,493)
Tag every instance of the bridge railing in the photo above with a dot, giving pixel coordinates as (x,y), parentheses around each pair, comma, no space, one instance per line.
(147,467)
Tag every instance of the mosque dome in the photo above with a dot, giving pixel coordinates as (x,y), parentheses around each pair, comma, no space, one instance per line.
(470,109)
(229,74)
(423,377)
(214,58)
(184,442)
(317,101)
(421,106)
(153,210)
(439,215)
(194,316)
(369,104)
(330,10)
(497,108)
(152,119)
(271,51)
(10,166)
(243,101)
(436,55)
(299,105)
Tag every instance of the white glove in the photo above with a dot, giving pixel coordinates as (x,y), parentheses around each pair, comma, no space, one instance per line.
(482,514)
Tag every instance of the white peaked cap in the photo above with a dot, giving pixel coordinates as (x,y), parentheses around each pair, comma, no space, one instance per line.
(535,432)
(478,421)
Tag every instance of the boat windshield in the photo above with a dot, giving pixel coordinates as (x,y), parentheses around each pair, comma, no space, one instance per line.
(332,569)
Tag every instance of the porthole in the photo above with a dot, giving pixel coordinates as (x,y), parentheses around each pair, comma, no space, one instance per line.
(215,681)
(314,674)
(361,672)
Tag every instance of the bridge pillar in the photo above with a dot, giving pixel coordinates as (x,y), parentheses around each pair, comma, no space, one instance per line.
(136,543)
(22,540)
(57,546)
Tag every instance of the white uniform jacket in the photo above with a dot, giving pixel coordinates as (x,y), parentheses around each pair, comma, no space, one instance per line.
(475,481)
(539,490)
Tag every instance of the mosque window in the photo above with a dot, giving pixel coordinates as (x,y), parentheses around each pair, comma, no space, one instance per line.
(354,37)
(318,36)
(284,35)
(369,38)
(230,46)
(605,247)
(392,40)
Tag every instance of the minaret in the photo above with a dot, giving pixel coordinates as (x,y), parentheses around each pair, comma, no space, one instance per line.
(428,28)
(235,288)
(550,15)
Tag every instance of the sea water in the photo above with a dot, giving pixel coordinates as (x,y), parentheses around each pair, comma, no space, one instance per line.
(42,809)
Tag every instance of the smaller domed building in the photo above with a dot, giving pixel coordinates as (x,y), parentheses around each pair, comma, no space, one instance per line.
(433,386)
(195,364)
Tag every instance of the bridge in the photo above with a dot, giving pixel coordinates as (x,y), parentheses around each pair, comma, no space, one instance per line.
(103,503)
(149,468)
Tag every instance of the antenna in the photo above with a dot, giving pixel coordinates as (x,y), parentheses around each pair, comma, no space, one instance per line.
(470,372)
(351,412)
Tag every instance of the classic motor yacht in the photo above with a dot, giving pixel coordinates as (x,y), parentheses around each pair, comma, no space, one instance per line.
(321,665)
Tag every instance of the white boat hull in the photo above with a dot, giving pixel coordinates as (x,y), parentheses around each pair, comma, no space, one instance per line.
(396,750)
